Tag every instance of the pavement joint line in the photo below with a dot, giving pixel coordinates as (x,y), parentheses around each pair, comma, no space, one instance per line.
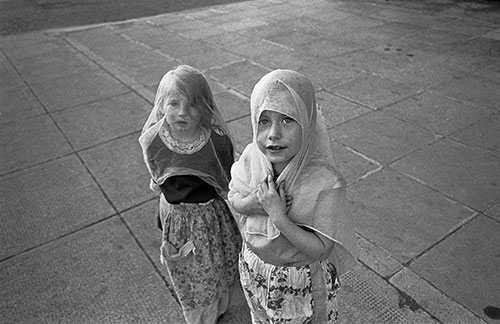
(411,177)
(103,219)
(431,290)
(452,231)
(113,71)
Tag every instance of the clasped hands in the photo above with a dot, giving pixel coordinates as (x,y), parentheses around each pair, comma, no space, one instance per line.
(273,199)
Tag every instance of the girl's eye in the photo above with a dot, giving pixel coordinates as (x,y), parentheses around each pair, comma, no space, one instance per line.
(288,120)
(263,122)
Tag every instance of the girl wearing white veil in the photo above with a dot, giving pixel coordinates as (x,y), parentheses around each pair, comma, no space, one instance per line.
(289,202)
(188,152)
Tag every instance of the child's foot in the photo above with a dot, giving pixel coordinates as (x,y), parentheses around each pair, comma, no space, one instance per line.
(492,312)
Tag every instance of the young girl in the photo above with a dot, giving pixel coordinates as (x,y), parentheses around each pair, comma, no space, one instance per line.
(189,153)
(289,203)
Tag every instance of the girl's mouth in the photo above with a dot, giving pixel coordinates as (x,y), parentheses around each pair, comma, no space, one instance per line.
(275,148)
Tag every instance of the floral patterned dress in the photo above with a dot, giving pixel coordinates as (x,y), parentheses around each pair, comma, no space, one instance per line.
(201,241)
(292,295)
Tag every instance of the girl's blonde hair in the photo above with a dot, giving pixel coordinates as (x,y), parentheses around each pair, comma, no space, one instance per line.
(192,84)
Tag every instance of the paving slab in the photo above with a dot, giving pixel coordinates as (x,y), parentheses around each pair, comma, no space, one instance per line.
(43,203)
(366,298)
(351,164)
(490,72)
(445,309)
(484,134)
(241,129)
(142,223)
(9,78)
(439,114)
(374,91)
(473,90)
(17,104)
(381,137)
(97,275)
(29,142)
(494,211)
(465,266)
(232,105)
(376,258)
(101,121)
(337,110)
(77,89)
(124,181)
(465,174)
(240,76)
(402,216)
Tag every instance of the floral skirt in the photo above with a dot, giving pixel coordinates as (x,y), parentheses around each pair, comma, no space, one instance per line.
(200,248)
(296,295)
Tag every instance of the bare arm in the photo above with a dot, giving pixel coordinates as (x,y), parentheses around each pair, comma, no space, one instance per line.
(250,205)
(273,201)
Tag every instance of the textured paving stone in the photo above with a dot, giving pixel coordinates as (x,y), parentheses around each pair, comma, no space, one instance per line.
(483,46)
(35,51)
(17,104)
(471,89)
(468,175)
(142,223)
(232,105)
(45,202)
(490,72)
(437,113)
(96,275)
(494,211)
(241,129)
(366,298)
(337,110)
(77,89)
(377,259)
(431,299)
(352,165)
(374,91)
(9,78)
(31,141)
(257,49)
(210,58)
(381,137)
(241,76)
(465,266)
(484,134)
(126,181)
(414,216)
(103,120)
(467,26)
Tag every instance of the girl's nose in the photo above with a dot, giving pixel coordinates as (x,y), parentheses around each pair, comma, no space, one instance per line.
(184,110)
(274,132)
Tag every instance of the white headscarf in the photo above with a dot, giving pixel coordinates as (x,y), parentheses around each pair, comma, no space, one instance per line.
(310,177)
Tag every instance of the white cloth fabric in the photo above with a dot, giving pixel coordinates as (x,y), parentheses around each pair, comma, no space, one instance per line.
(318,190)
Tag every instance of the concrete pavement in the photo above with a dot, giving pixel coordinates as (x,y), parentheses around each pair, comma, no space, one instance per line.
(411,95)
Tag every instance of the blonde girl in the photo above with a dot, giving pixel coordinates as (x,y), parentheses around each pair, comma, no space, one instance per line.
(188,152)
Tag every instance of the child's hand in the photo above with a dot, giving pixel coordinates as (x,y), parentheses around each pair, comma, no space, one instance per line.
(272,199)
(288,197)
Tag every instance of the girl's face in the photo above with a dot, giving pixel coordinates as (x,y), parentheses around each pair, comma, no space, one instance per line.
(182,117)
(279,137)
